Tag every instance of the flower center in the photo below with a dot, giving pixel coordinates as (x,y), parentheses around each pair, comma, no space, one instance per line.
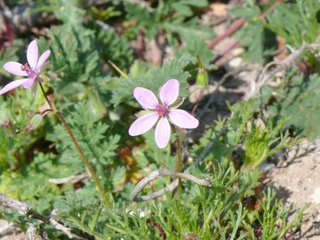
(162,110)
(31,73)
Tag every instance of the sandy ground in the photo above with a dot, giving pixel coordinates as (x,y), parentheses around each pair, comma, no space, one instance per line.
(297,181)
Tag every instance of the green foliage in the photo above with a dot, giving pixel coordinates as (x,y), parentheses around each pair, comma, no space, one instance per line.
(93,136)
(302,17)
(262,142)
(253,34)
(73,60)
(303,28)
(204,213)
(154,19)
(274,218)
(173,17)
(258,141)
(152,79)
(69,12)
(115,48)
(258,34)
(19,109)
(31,182)
(297,102)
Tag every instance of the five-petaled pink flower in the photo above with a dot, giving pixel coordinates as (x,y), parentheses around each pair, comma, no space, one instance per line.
(162,111)
(31,69)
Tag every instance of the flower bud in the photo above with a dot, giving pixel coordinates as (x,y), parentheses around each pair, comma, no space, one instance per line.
(202,76)
(34,122)
(8,127)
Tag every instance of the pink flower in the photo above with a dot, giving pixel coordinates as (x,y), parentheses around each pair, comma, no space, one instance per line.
(162,111)
(31,69)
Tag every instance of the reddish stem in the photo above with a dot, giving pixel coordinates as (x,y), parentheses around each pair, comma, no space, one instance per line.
(225,51)
(234,27)
(237,25)
(197,103)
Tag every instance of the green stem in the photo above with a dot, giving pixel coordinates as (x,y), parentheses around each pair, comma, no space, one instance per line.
(178,167)
(79,149)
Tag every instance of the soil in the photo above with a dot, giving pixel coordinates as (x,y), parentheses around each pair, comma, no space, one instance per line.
(297,182)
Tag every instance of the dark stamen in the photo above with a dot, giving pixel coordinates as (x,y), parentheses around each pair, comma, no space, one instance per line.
(162,110)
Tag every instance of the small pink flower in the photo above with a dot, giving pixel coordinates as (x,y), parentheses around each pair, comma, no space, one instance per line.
(31,69)
(162,112)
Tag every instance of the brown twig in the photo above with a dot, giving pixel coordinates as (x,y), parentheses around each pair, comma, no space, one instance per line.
(265,76)
(159,227)
(25,210)
(70,179)
(197,102)
(234,27)
(163,172)
(141,45)
(269,10)
(10,229)
(226,51)
(31,233)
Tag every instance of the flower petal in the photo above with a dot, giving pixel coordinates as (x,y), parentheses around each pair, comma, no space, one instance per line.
(183,119)
(43,58)
(169,92)
(29,83)
(143,124)
(32,54)
(145,97)
(162,132)
(13,85)
(14,68)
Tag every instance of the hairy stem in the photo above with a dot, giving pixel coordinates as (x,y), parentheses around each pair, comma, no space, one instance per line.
(196,105)
(79,149)
(178,167)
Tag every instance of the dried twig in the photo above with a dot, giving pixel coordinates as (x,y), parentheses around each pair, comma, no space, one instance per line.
(11,228)
(265,76)
(20,207)
(61,227)
(163,172)
(31,233)
(25,210)
(70,179)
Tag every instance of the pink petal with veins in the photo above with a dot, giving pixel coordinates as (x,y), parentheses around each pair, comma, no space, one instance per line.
(43,58)
(143,124)
(145,97)
(32,54)
(14,68)
(162,132)
(183,119)
(13,85)
(29,83)
(169,92)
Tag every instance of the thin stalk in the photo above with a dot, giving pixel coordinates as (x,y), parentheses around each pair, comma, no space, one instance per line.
(197,103)
(178,167)
(79,149)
